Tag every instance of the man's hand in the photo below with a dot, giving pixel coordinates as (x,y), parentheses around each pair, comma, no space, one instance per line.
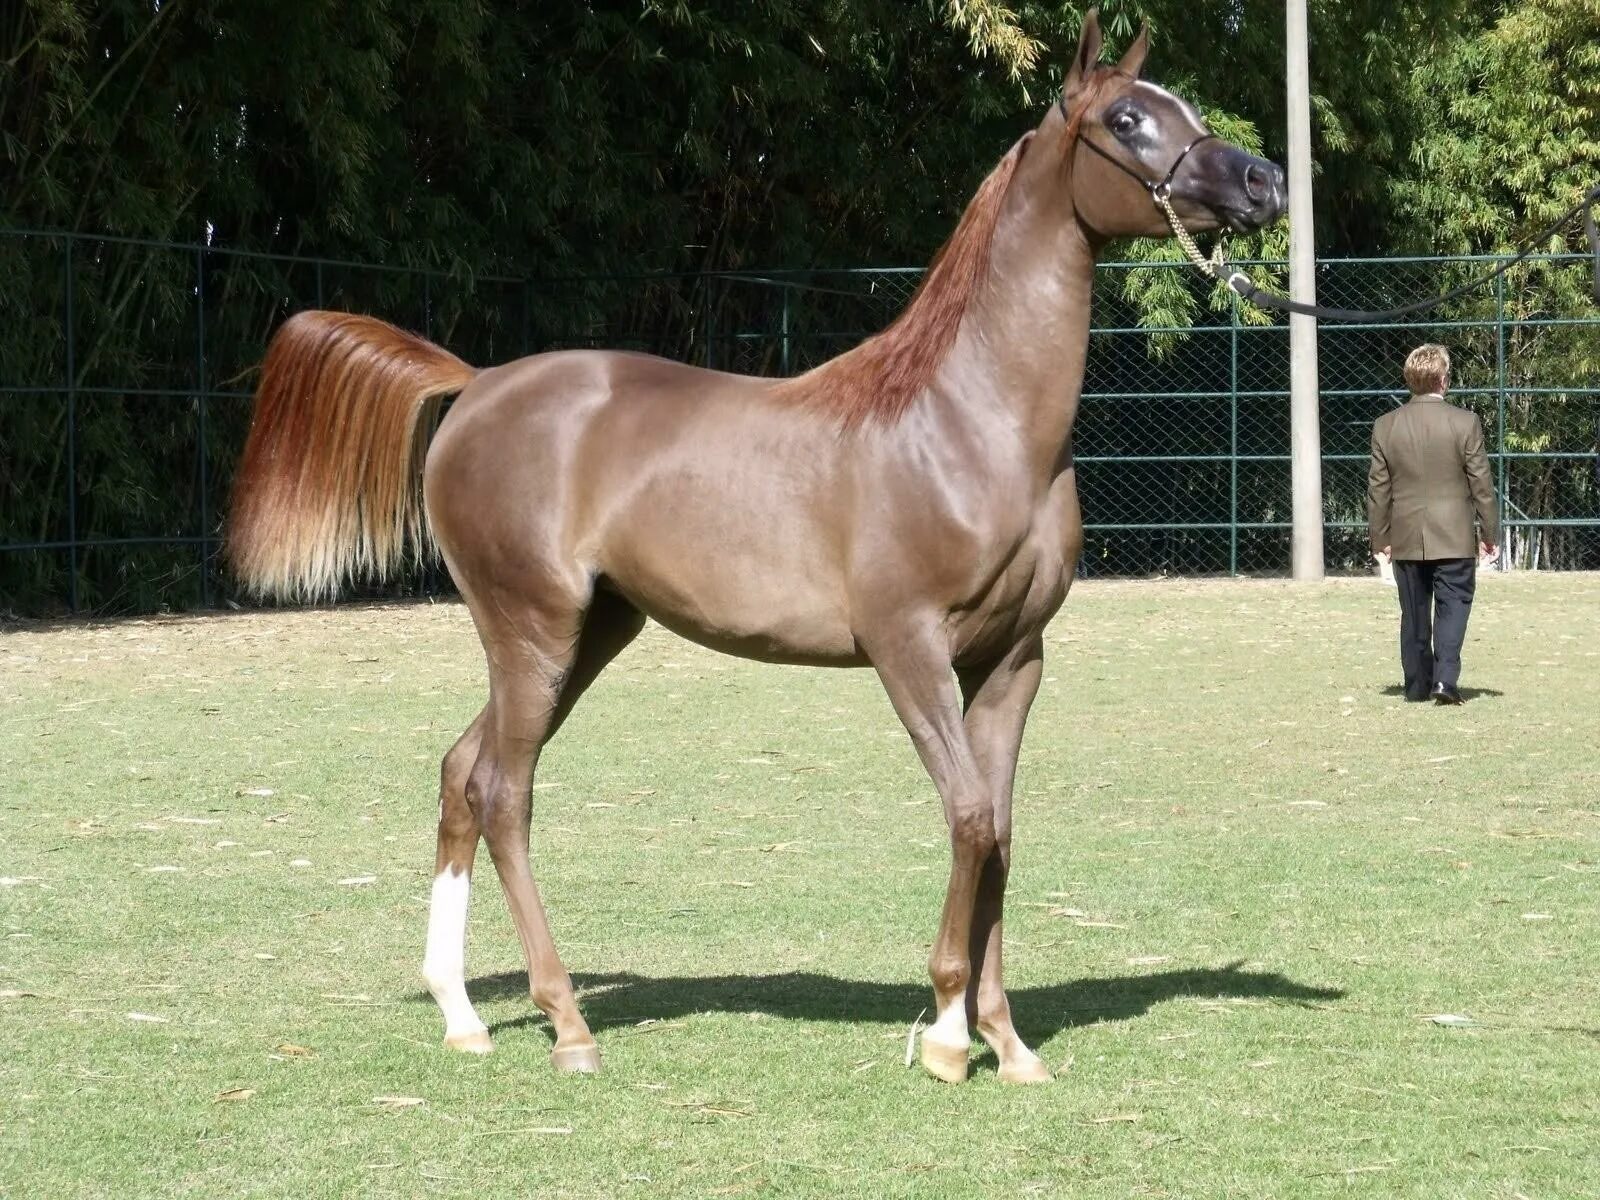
(1386,553)
(1490,550)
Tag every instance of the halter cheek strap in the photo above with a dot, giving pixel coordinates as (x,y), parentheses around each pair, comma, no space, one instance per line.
(1161,193)
(1160,190)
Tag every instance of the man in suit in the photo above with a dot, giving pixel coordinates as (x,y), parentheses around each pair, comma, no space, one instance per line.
(1429,472)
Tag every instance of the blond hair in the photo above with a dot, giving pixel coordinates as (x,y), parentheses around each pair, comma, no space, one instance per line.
(1428,370)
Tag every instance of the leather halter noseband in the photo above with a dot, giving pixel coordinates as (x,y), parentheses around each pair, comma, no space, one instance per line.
(1160,189)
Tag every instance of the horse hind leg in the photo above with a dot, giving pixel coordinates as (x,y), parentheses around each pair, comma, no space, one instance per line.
(534,681)
(444,961)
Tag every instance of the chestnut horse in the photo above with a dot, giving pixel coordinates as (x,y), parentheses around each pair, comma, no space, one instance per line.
(910,505)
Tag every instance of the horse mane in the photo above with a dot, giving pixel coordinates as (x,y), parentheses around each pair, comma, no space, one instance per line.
(879,378)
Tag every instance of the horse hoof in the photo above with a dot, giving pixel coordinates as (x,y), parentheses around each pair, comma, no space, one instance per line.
(576,1060)
(1024,1070)
(476,1042)
(948,1063)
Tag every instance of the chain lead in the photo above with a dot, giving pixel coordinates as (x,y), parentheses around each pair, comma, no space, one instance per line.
(1208,267)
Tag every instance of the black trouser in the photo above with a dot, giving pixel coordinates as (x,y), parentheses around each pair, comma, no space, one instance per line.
(1435,600)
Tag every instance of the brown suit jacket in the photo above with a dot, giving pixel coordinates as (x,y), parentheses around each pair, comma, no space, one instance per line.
(1429,471)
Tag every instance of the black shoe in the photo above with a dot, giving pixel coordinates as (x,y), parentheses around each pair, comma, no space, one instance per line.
(1416,695)
(1445,693)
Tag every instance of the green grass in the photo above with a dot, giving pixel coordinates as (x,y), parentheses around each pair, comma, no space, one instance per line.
(1284,869)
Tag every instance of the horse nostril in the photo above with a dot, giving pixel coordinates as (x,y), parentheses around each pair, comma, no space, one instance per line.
(1258,181)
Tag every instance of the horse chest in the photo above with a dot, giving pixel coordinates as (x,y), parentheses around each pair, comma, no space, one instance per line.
(1028,587)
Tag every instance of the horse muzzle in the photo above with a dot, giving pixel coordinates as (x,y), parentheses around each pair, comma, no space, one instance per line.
(1242,192)
(1261,193)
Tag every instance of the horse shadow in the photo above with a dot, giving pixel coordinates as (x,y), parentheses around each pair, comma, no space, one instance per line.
(612,999)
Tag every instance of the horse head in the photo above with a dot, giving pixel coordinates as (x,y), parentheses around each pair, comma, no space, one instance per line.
(1128,146)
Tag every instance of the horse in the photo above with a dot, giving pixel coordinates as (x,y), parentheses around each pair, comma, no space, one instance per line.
(910,506)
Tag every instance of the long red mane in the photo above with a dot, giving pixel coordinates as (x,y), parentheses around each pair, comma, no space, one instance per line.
(879,379)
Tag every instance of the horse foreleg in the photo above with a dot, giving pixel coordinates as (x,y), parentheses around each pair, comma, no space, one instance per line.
(998,698)
(915,671)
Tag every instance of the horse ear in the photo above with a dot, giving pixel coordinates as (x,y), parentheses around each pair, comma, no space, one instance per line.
(1132,64)
(1088,55)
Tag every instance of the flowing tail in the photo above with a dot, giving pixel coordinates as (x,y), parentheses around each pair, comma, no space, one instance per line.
(330,486)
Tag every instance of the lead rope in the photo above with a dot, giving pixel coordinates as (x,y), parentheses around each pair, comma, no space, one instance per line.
(1243,287)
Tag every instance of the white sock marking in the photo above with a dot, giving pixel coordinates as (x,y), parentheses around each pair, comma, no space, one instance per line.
(444,964)
(950,1027)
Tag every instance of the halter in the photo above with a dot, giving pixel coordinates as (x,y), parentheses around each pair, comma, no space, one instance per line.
(1161,192)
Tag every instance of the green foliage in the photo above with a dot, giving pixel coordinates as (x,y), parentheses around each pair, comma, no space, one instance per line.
(602,137)
(1509,122)
(1509,128)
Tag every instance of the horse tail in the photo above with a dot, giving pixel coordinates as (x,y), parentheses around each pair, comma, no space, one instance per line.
(330,485)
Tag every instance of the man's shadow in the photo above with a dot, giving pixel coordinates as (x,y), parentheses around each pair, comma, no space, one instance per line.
(1467,693)
(623,998)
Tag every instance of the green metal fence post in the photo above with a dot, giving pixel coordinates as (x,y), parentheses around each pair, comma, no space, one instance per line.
(1233,443)
(787,291)
(72,440)
(1500,394)
(430,563)
(710,361)
(527,302)
(200,384)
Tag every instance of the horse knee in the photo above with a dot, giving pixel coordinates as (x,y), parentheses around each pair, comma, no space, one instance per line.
(475,791)
(972,830)
(454,812)
(950,973)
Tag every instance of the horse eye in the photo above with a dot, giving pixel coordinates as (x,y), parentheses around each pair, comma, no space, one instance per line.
(1124,123)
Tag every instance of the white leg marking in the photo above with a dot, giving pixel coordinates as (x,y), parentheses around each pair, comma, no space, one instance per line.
(444,964)
(950,1027)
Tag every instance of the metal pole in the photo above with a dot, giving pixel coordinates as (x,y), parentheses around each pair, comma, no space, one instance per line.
(200,383)
(1305,434)
(72,442)
(430,563)
(527,292)
(1233,445)
(786,292)
(1500,394)
(710,363)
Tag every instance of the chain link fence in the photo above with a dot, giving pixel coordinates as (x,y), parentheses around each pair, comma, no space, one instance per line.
(126,368)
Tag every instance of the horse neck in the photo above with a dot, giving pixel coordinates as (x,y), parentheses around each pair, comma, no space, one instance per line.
(1028,330)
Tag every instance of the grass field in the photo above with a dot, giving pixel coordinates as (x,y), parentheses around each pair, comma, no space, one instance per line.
(1246,873)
